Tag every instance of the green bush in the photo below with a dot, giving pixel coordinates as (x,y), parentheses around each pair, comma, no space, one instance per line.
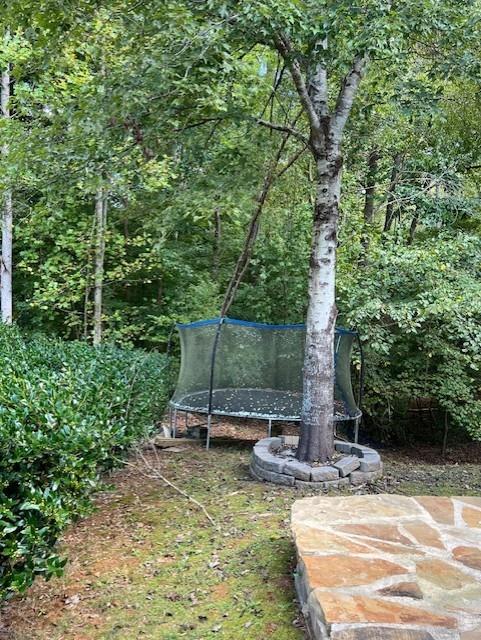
(419,312)
(67,411)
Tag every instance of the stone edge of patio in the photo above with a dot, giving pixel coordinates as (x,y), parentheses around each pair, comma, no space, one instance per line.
(360,465)
(389,567)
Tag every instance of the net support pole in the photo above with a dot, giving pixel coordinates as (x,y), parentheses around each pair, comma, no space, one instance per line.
(269,429)
(174,428)
(356,430)
(362,375)
(209,423)
(211,378)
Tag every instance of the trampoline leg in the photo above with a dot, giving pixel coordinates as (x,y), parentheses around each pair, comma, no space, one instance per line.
(186,420)
(174,429)
(356,431)
(171,422)
(269,429)
(209,420)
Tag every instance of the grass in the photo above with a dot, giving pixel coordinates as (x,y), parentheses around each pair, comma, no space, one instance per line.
(147,564)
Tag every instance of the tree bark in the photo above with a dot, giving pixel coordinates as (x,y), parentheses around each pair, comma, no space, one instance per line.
(317,431)
(370,186)
(7,217)
(326,134)
(413,227)
(101,223)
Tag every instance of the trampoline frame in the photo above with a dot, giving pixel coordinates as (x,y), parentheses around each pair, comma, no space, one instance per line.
(175,407)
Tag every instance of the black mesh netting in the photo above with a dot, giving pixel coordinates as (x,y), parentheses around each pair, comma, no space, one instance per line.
(256,371)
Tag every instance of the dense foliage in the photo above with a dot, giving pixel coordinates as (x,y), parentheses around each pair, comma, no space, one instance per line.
(159,103)
(67,412)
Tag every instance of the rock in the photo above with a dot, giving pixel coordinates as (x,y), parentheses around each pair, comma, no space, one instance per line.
(342,447)
(424,534)
(271,476)
(381,633)
(270,443)
(347,465)
(297,469)
(374,567)
(302,484)
(347,608)
(363,477)
(469,556)
(443,575)
(341,570)
(360,450)
(370,462)
(403,590)
(440,509)
(473,634)
(324,473)
(268,461)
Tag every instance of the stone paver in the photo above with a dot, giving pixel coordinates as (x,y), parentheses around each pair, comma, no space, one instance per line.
(386,567)
(272,462)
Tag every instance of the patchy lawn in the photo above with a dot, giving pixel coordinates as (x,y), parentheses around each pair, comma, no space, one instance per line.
(147,564)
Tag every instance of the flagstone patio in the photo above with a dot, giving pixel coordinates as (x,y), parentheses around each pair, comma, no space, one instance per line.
(387,567)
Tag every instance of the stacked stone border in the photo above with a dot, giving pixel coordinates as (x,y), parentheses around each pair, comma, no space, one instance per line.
(361,465)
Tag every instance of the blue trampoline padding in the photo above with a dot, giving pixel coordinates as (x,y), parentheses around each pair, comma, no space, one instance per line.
(256,325)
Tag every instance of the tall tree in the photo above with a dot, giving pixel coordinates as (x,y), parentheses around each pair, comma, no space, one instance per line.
(327,47)
(100,228)
(7,212)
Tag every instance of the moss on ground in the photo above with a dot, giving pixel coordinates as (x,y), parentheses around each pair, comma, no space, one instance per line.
(148,564)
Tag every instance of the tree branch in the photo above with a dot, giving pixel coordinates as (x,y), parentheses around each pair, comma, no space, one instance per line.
(284,47)
(284,128)
(317,85)
(346,96)
(290,162)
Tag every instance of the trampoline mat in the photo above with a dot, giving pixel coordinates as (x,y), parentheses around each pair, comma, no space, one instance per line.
(255,403)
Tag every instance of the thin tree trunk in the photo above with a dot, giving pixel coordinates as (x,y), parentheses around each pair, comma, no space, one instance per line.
(7,216)
(370,186)
(317,432)
(217,239)
(370,189)
(252,231)
(101,221)
(413,227)
(391,197)
(88,283)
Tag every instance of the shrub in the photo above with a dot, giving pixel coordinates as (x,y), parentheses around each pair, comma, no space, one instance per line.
(419,311)
(67,411)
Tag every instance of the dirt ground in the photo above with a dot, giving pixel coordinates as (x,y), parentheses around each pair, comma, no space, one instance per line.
(148,564)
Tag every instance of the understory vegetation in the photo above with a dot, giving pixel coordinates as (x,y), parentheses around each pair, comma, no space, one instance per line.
(67,412)
(141,142)
(138,142)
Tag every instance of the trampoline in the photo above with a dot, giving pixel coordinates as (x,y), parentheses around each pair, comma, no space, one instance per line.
(253,370)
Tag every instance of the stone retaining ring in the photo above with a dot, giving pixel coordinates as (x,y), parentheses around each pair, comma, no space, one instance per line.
(360,465)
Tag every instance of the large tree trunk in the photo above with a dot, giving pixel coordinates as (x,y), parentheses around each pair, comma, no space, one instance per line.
(317,433)
(7,217)
(101,223)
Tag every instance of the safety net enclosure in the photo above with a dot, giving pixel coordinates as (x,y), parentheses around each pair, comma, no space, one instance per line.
(248,369)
